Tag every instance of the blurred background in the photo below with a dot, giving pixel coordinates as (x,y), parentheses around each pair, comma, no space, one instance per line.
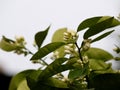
(26,17)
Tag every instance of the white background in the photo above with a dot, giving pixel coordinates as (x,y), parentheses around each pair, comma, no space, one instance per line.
(26,17)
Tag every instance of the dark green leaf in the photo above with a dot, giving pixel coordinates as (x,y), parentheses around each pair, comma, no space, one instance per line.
(88,23)
(102,36)
(40,37)
(100,54)
(103,24)
(107,81)
(58,37)
(46,50)
(32,81)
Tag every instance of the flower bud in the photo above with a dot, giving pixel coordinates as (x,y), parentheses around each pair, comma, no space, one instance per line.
(86,44)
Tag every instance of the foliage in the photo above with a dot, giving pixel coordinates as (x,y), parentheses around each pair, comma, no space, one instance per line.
(85,64)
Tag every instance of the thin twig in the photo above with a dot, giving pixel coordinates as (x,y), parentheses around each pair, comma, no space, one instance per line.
(79,51)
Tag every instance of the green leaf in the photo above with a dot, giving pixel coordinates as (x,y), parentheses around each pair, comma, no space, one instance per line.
(102,36)
(88,23)
(75,73)
(40,37)
(100,54)
(47,49)
(52,69)
(58,37)
(8,45)
(23,86)
(32,81)
(56,83)
(19,80)
(103,24)
(100,66)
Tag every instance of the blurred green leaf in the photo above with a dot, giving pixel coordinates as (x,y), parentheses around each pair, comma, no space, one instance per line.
(102,36)
(58,37)
(100,54)
(107,81)
(98,66)
(40,37)
(47,49)
(103,24)
(23,85)
(56,83)
(8,45)
(19,80)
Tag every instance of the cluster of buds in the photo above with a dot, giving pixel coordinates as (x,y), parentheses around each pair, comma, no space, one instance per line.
(70,36)
(84,61)
(20,40)
(84,84)
(80,62)
(86,44)
(69,48)
(82,81)
(55,55)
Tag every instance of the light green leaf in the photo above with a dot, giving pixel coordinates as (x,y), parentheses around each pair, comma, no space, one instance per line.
(8,45)
(23,86)
(19,80)
(103,24)
(100,67)
(40,37)
(47,49)
(102,36)
(58,37)
(99,54)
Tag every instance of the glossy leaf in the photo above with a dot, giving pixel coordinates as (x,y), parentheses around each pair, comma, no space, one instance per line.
(40,37)
(58,37)
(98,54)
(18,79)
(46,50)
(8,45)
(88,23)
(102,36)
(103,24)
